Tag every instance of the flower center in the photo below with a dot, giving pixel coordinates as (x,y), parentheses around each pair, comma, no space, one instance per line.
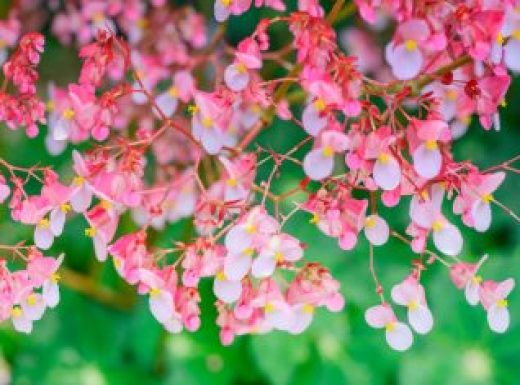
(278,256)
(431,145)
(90,232)
(413,305)
(154,292)
(221,276)
(390,326)
(328,151)
(410,45)
(476,279)
(319,104)
(232,182)
(383,158)
(55,277)
(315,219)
(500,39)
(241,68)
(207,122)
(516,34)
(308,308)
(65,208)
(16,312)
(250,228)
(249,251)
(502,302)
(31,300)
(226,3)
(68,113)
(437,226)
(78,181)
(269,307)
(451,95)
(173,92)
(370,222)
(487,198)
(43,223)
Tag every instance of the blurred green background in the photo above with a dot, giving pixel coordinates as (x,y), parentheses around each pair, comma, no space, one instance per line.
(87,342)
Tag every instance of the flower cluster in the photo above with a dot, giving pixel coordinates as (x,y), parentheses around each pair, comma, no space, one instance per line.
(175,113)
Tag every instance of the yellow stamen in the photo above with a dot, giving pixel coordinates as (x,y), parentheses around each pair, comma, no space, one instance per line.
(193,109)
(437,226)
(65,207)
(308,308)
(390,326)
(241,68)
(278,256)
(500,39)
(226,3)
(487,198)
(328,151)
(503,103)
(516,34)
(3,43)
(232,182)
(50,105)
(142,23)
(250,228)
(154,292)
(269,307)
(55,277)
(413,305)
(43,223)
(431,145)
(106,204)
(249,251)
(451,95)
(68,113)
(90,232)
(220,276)
(173,92)
(410,45)
(16,312)
(383,158)
(98,17)
(31,300)
(502,302)
(370,222)
(78,180)
(320,104)
(207,122)
(315,219)
(476,279)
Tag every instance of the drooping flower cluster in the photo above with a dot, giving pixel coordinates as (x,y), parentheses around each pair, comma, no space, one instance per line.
(175,114)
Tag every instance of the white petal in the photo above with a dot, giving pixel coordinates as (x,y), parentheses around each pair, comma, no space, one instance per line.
(173,325)
(471,292)
(43,237)
(51,293)
(512,55)
(221,11)
(448,240)
(237,239)
(236,266)
(420,319)
(22,324)
(161,305)
(481,213)
(211,140)
(100,248)
(236,79)
(312,122)
(498,318)
(378,233)
(227,291)
(263,266)
(427,163)
(60,131)
(34,310)
(400,337)
(316,165)
(81,200)
(387,175)
(57,221)
(302,320)
(167,103)
(406,64)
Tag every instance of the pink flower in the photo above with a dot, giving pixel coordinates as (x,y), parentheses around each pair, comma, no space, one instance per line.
(427,158)
(319,163)
(376,230)
(398,335)
(405,55)
(493,296)
(464,275)
(410,293)
(279,249)
(425,212)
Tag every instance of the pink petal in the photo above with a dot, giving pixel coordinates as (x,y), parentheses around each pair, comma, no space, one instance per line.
(161,305)
(312,122)
(236,266)
(481,214)
(238,239)
(405,64)
(43,237)
(378,316)
(227,291)
(51,293)
(471,292)
(263,266)
(378,232)
(512,55)
(222,12)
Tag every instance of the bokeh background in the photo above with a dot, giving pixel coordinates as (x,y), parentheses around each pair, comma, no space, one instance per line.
(103,334)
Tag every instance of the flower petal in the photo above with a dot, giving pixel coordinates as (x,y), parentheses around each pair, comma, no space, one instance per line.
(387,175)
(448,240)
(420,319)
(399,337)
(427,163)
(316,165)
(498,318)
